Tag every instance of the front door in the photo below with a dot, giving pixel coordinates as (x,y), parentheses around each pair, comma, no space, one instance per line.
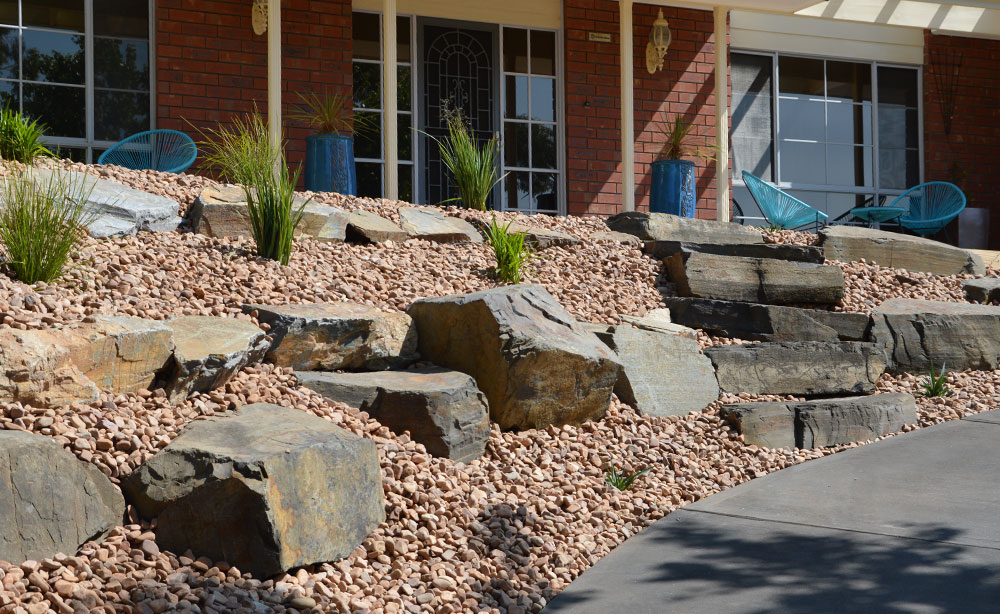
(458,71)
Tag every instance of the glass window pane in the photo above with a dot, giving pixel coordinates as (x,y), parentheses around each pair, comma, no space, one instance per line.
(515,50)
(517,97)
(800,76)
(119,114)
(62,109)
(543,99)
(10,95)
(518,190)
(9,45)
(121,18)
(121,64)
(897,127)
(816,200)
(543,146)
(76,154)
(898,169)
(544,192)
(403,39)
(897,86)
(367,36)
(368,144)
(404,136)
(801,119)
(849,81)
(404,93)
(8,12)
(53,57)
(55,14)
(803,162)
(367,86)
(848,123)
(515,146)
(543,53)
(406,183)
(369,179)
(753,116)
(849,165)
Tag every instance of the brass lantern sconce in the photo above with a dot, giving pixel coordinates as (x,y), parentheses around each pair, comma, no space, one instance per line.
(659,42)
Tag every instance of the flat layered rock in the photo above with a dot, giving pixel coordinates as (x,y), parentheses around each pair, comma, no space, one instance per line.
(209,351)
(755,280)
(432,225)
(802,368)
(616,237)
(335,336)
(50,501)
(36,369)
(441,409)
(265,488)
(756,322)
(536,364)
(898,251)
(365,226)
(663,373)
(666,227)
(221,211)
(542,238)
(823,422)
(121,354)
(956,336)
(983,290)
(795,253)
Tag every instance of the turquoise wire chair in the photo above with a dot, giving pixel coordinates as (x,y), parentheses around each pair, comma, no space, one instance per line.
(169,151)
(930,206)
(781,209)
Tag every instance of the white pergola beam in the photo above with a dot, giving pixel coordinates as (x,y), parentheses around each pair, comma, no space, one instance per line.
(722,196)
(627,106)
(390,123)
(274,72)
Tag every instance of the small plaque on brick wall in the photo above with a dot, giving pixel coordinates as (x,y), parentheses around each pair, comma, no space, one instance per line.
(599,37)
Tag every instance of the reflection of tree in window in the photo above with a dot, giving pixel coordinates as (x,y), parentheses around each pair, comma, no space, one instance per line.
(40,64)
(121,64)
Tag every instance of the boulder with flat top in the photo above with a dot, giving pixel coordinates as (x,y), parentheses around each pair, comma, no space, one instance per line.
(430,224)
(221,211)
(665,227)
(209,351)
(898,251)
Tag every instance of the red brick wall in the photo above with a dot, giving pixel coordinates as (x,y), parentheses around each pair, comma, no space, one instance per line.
(685,85)
(210,65)
(967,154)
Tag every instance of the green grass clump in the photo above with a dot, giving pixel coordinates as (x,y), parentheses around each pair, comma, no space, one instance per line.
(509,251)
(475,167)
(42,223)
(937,384)
(20,137)
(242,152)
(623,481)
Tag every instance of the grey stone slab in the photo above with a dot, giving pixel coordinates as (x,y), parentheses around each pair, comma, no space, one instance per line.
(989,417)
(831,422)
(898,251)
(984,290)
(771,425)
(756,322)
(797,253)
(431,224)
(666,227)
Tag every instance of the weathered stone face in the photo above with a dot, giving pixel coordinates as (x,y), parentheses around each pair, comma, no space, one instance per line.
(35,368)
(536,364)
(221,211)
(755,280)
(956,336)
(209,351)
(50,501)
(617,237)
(985,290)
(663,373)
(665,227)
(365,226)
(794,253)
(803,368)
(335,336)
(770,425)
(755,322)
(898,251)
(266,488)
(432,225)
(121,353)
(543,238)
(442,409)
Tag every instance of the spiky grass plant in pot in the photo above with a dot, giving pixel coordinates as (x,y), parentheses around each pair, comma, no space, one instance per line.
(673,188)
(330,149)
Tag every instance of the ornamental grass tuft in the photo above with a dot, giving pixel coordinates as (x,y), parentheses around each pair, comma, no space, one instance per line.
(20,137)
(509,250)
(937,384)
(623,481)
(474,167)
(42,223)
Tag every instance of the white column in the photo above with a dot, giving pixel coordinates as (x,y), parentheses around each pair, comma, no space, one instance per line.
(722,203)
(390,125)
(274,71)
(628,114)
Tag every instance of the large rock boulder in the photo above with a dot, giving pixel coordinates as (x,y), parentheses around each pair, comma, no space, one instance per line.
(366,227)
(265,488)
(121,353)
(755,322)
(897,251)
(822,422)
(802,368)
(117,210)
(209,351)
(542,238)
(442,409)
(35,368)
(982,290)
(335,336)
(666,227)
(221,211)
(50,501)
(536,364)
(796,253)
(432,225)
(755,280)
(956,336)
(663,373)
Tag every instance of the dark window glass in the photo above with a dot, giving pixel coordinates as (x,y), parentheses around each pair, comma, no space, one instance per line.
(368,144)
(544,193)
(52,57)
(367,86)
(119,114)
(543,99)
(404,135)
(121,18)
(849,81)
(367,36)
(517,97)
(404,93)
(897,86)
(515,50)
(518,190)
(9,53)
(8,12)
(543,146)
(802,76)
(62,109)
(76,154)
(369,179)
(543,53)
(55,14)
(9,95)
(403,39)
(406,183)
(515,148)
(121,64)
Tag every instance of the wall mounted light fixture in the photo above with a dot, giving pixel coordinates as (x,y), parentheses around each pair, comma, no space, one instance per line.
(659,42)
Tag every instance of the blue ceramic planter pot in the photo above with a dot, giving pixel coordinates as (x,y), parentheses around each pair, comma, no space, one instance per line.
(330,164)
(673,188)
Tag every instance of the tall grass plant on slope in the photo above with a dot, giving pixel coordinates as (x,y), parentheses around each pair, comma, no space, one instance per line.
(20,137)
(474,166)
(509,250)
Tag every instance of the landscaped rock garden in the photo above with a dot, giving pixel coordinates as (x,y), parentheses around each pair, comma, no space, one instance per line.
(381,426)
